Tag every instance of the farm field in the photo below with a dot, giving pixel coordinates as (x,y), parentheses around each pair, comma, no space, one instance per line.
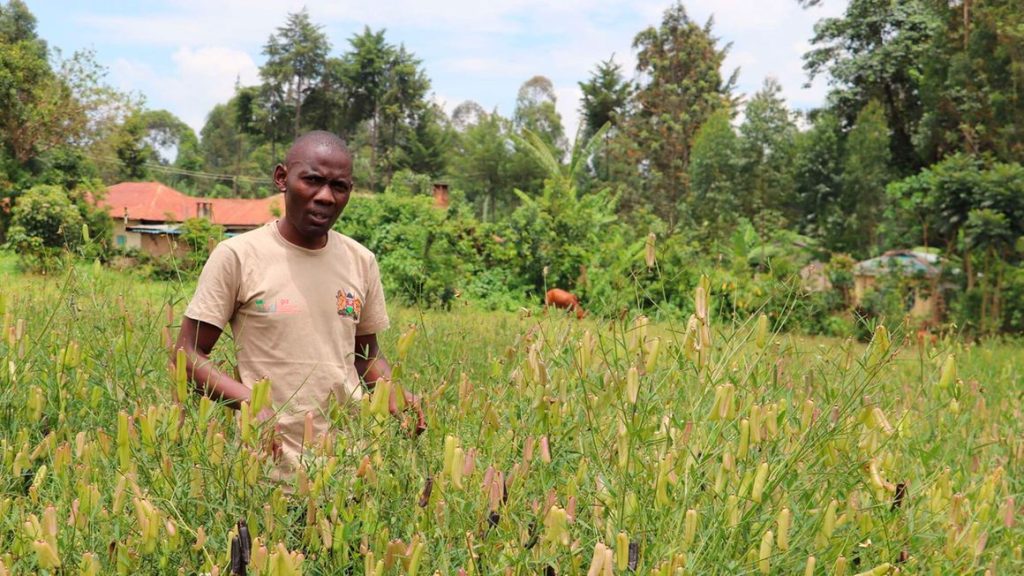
(554,446)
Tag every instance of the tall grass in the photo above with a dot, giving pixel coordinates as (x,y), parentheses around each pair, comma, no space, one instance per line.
(552,445)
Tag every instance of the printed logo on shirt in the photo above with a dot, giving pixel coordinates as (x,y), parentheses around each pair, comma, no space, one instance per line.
(282,306)
(349,305)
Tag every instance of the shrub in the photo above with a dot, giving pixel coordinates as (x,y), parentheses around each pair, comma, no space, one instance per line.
(44,223)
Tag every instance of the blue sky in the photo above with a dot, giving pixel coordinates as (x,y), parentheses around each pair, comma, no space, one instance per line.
(185,55)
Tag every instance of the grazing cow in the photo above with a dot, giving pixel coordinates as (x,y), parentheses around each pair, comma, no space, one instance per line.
(561,299)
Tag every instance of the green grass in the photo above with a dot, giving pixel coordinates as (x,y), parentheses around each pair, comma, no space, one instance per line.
(633,442)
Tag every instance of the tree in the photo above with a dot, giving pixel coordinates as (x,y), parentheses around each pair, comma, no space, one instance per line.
(864,178)
(467,114)
(679,63)
(715,174)
(296,57)
(481,166)
(556,233)
(535,111)
(38,109)
(385,87)
(766,149)
(817,181)
(877,51)
(605,96)
(971,82)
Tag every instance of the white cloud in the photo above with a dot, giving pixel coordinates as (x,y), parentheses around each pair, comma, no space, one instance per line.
(199,79)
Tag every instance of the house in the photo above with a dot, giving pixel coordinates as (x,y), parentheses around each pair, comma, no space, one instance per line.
(147,215)
(922,269)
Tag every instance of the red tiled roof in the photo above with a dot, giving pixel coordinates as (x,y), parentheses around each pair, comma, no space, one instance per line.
(156,202)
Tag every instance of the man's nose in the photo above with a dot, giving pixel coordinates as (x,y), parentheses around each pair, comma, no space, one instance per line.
(324,195)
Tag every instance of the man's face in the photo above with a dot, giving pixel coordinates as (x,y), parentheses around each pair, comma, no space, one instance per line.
(317,183)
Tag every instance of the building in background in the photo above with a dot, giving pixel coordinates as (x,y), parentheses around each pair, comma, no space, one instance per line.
(148,215)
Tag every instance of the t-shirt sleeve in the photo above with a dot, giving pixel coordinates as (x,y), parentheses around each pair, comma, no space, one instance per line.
(374,318)
(216,297)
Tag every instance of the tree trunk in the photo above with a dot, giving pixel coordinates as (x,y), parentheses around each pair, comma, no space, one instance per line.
(298,106)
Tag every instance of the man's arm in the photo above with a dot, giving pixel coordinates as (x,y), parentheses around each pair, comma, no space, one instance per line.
(371,365)
(197,340)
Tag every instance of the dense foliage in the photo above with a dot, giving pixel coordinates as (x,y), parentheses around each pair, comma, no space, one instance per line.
(918,145)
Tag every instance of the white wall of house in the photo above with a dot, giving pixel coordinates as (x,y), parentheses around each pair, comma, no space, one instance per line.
(123,239)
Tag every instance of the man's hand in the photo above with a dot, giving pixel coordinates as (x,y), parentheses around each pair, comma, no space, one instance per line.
(266,419)
(421,421)
(409,400)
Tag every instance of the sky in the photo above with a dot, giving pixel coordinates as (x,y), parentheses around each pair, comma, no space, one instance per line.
(185,56)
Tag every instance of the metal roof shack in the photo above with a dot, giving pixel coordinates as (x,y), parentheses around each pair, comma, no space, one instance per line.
(905,262)
(924,293)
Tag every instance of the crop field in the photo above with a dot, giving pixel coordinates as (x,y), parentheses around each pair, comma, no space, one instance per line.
(554,446)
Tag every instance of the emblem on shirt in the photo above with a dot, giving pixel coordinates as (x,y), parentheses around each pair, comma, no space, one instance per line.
(349,305)
(282,306)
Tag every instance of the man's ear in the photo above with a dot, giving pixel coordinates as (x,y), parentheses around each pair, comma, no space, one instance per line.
(280,176)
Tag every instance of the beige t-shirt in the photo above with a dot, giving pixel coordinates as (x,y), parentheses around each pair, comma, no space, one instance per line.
(294,315)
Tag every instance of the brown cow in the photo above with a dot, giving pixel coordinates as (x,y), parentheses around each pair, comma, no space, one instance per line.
(562,299)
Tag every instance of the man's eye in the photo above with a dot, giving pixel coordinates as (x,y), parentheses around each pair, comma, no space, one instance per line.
(341,187)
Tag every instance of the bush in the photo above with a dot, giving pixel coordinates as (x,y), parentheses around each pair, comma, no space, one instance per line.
(44,223)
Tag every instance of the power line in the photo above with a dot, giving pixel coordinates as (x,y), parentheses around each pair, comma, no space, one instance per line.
(184,172)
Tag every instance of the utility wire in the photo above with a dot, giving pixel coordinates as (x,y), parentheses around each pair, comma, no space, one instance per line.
(184,172)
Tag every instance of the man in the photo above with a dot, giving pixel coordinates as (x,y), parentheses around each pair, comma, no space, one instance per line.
(305,304)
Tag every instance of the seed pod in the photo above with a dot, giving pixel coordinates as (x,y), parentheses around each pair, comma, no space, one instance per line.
(783,527)
(404,341)
(381,397)
(689,529)
(458,458)
(700,300)
(260,397)
(649,255)
(878,348)
(46,555)
(948,374)
(244,422)
(755,424)
(181,375)
(556,530)
(732,511)
(217,449)
(764,554)
(840,567)
(744,442)
(415,558)
(621,551)
(651,357)
(450,442)
(632,384)
(90,565)
(597,562)
(759,481)
(307,431)
(880,570)
(828,524)
(716,406)
(761,340)
(806,415)
(809,568)
(123,446)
